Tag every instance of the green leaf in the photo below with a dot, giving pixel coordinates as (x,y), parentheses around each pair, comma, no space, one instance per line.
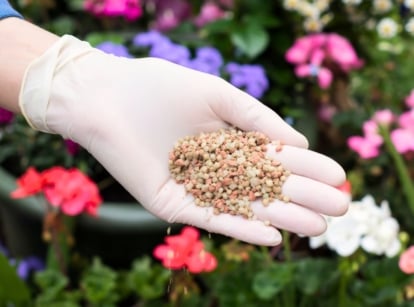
(312,274)
(96,38)
(251,39)
(13,290)
(148,281)
(266,284)
(99,284)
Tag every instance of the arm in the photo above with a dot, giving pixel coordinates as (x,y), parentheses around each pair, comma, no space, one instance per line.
(21,42)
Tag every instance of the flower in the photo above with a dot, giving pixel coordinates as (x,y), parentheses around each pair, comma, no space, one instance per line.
(367,146)
(71,190)
(209,12)
(250,77)
(115,49)
(314,69)
(185,251)
(28,265)
(365,226)
(387,28)
(314,55)
(129,9)
(382,6)
(30,183)
(406,262)
(72,147)
(67,189)
(5,116)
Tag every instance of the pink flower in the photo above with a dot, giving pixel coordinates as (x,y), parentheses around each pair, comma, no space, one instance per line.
(185,251)
(129,9)
(406,262)
(409,100)
(316,54)
(403,140)
(299,53)
(314,69)
(384,117)
(366,147)
(406,120)
(209,12)
(341,51)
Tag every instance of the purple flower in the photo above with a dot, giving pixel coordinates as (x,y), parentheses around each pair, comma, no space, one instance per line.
(207,59)
(115,49)
(167,50)
(251,78)
(29,265)
(72,147)
(5,116)
(149,39)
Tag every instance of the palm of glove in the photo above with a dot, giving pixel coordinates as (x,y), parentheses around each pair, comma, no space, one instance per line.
(130,113)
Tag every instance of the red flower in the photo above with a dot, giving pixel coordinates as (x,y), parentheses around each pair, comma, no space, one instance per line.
(28,184)
(69,189)
(185,251)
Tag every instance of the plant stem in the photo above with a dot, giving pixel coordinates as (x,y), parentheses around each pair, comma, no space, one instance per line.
(289,293)
(402,171)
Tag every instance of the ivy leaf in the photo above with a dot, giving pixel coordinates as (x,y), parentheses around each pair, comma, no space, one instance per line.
(251,39)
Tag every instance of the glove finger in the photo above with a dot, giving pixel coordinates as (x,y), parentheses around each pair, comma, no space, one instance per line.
(315,195)
(309,164)
(290,217)
(247,113)
(174,205)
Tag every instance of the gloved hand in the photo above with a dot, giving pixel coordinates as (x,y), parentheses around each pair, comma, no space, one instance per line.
(129,113)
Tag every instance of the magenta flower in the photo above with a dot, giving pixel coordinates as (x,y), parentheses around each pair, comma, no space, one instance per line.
(72,147)
(314,56)
(300,51)
(406,120)
(341,51)
(129,9)
(5,116)
(314,69)
(209,12)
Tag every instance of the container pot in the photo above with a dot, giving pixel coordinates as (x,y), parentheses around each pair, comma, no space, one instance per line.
(120,233)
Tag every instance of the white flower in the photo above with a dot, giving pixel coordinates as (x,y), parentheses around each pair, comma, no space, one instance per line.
(313,25)
(382,6)
(365,225)
(291,5)
(409,26)
(383,239)
(387,28)
(352,2)
(409,4)
(308,10)
(322,5)
(344,235)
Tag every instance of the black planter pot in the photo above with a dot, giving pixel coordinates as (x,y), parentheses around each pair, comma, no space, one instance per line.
(120,233)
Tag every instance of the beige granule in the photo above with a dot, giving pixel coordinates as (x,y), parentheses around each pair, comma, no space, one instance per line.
(228,169)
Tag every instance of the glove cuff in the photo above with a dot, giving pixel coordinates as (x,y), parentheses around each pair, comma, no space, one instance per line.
(34,97)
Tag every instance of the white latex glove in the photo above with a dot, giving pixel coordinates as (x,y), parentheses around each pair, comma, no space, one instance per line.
(129,113)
